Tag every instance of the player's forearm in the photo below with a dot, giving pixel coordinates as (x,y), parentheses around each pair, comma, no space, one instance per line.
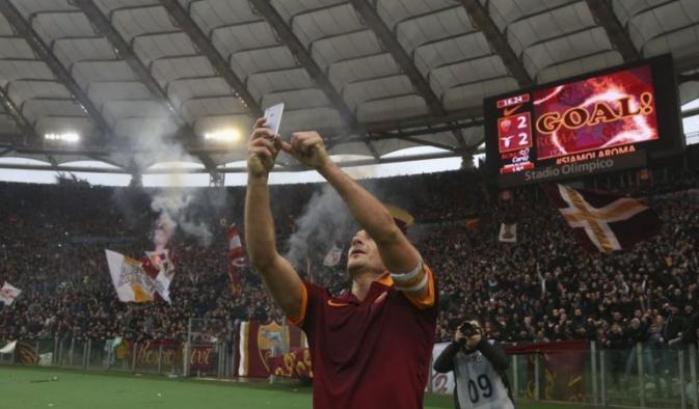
(284,284)
(278,275)
(365,208)
(259,224)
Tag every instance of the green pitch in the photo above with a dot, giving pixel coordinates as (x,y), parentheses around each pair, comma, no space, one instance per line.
(34,388)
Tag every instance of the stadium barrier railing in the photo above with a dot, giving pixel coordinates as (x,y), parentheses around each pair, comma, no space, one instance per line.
(148,357)
(646,375)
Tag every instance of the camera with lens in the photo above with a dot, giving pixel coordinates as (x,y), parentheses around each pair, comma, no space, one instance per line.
(468,329)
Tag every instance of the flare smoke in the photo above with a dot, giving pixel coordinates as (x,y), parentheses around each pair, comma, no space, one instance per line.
(325,221)
(175,202)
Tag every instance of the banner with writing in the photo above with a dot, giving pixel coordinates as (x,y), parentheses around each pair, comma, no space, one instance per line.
(293,364)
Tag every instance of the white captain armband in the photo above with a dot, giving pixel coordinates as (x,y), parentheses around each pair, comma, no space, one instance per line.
(411,282)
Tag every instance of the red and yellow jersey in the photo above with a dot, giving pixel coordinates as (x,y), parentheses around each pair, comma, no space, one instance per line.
(375,353)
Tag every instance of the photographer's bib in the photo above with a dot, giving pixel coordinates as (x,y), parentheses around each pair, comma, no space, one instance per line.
(478,385)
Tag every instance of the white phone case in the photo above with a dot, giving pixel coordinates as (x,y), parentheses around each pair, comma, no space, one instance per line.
(273,115)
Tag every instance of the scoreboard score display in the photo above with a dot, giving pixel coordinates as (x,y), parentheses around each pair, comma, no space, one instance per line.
(599,122)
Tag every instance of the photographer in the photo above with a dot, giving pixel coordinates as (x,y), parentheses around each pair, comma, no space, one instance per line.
(479,369)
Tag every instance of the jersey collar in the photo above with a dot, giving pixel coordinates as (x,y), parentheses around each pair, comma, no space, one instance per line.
(380,284)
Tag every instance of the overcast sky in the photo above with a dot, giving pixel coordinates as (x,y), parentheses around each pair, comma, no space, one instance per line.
(691,128)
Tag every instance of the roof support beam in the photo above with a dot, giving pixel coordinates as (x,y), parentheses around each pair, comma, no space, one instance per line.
(125,51)
(22,27)
(498,41)
(52,160)
(405,62)
(604,14)
(372,149)
(410,131)
(287,36)
(426,142)
(538,12)
(184,21)
(689,77)
(206,160)
(649,8)
(575,59)
(687,63)
(386,130)
(104,159)
(23,124)
(464,118)
(241,169)
(427,13)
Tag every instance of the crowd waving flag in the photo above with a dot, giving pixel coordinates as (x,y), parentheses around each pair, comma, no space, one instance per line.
(159,266)
(508,233)
(9,348)
(140,281)
(9,293)
(131,282)
(236,256)
(604,221)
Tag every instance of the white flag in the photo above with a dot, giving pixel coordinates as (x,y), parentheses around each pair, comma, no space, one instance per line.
(333,257)
(236,252)
(236,258)
(46,359)
(508,233)
(162,285)
(130,282)
(9,348)
(9,293)
(166,270)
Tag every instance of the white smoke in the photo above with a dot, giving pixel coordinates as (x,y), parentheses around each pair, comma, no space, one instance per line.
(172,205)
(325,221)
(152,145)
(164,229)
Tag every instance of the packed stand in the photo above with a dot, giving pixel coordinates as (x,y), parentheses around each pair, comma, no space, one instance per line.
(543,288)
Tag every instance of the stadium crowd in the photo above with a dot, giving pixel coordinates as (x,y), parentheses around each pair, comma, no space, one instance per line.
(542,288)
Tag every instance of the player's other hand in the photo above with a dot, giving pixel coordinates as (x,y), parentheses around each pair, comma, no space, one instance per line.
(308,148)
(263,148)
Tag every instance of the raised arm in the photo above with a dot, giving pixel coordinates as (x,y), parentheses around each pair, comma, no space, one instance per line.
(277,273)
(397,254)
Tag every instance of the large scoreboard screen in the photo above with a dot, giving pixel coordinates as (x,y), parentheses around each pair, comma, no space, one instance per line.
(598,122)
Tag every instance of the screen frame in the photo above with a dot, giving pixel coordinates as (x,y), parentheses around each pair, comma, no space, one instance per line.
(667,104)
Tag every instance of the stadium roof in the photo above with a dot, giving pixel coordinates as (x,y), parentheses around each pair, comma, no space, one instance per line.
(375,76)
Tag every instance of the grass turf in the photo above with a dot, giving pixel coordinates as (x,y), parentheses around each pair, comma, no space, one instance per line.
(39,388)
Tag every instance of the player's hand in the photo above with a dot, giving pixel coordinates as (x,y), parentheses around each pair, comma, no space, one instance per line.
(308,148)
(473,341)
(263,148)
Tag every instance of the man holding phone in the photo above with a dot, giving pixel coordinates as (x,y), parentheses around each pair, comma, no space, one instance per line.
(370,346)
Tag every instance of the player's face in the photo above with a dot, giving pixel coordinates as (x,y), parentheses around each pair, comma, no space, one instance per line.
(364,255)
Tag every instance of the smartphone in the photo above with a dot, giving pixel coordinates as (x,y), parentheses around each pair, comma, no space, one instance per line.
(273,115)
